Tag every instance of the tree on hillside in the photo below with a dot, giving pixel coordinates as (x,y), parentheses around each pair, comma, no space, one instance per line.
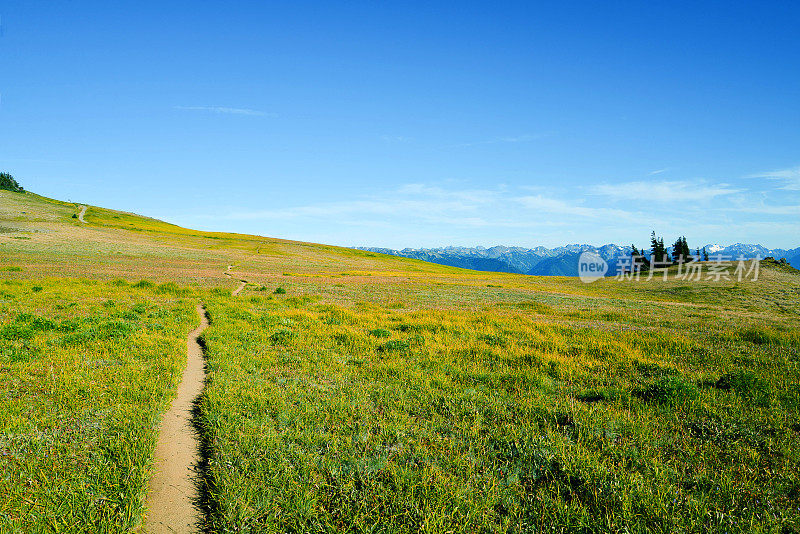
(638,260)
(658,252)
(680,251)
(705,254)
(8,183)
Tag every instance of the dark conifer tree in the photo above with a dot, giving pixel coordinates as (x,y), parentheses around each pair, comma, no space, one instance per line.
(8,183)
(677,251)
(685,250)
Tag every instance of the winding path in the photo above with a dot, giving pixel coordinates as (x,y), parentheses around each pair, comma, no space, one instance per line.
(81,214)
(242,283)
(173,488)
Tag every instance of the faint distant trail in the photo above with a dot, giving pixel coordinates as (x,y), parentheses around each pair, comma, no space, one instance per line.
(236,291)
(81,214)
(242,283)
(173,489)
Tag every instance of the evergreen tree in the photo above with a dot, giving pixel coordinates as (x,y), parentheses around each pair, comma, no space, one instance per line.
(658,252)
(705,254)
(680,251)
(653,244)
(638,260)
(677,251)
(8,183)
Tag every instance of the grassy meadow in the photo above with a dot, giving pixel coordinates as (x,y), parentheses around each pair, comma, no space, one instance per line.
(349,391)
(87,368)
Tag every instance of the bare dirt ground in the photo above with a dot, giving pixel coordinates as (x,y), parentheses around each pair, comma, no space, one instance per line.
(173,489)
(236,291)
(81,214)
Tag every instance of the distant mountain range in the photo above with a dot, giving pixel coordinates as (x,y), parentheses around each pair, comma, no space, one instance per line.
(560,261)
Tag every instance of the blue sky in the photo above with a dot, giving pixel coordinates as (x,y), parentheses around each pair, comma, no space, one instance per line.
(405,124)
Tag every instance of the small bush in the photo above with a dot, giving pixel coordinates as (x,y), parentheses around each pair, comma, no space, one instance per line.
(591,395)
(144,284)
(669,390)
(36,289)
(279,291)
(759,336)
(42,324)
(13,332)
(747,384)
(281,337)
(395,345)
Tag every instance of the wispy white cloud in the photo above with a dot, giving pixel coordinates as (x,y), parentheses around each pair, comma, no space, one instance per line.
(466,197)
(446,213)
(659,171)
(790,177)
(413,203)
(227,110)
(664,191)
(551,205)
(524,138)
(767,209)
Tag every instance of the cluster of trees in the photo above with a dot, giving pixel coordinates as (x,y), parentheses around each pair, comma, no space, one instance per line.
(681,253)
(8,183)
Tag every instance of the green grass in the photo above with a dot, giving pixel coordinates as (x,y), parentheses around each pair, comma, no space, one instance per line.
(86,370)
(333,418)
(351,391)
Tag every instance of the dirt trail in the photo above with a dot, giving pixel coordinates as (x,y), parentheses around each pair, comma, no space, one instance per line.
(173,489)
(81,214)
(236,291)
(242,283)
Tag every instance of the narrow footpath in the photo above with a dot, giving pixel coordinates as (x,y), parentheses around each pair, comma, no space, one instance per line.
(173,488)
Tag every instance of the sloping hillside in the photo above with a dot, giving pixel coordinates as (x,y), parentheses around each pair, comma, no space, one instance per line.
(348,388)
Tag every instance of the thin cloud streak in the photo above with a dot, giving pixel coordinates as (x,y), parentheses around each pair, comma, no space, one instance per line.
(502,140)
(227,110)
(790,177)
(552,205)
(664,191)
